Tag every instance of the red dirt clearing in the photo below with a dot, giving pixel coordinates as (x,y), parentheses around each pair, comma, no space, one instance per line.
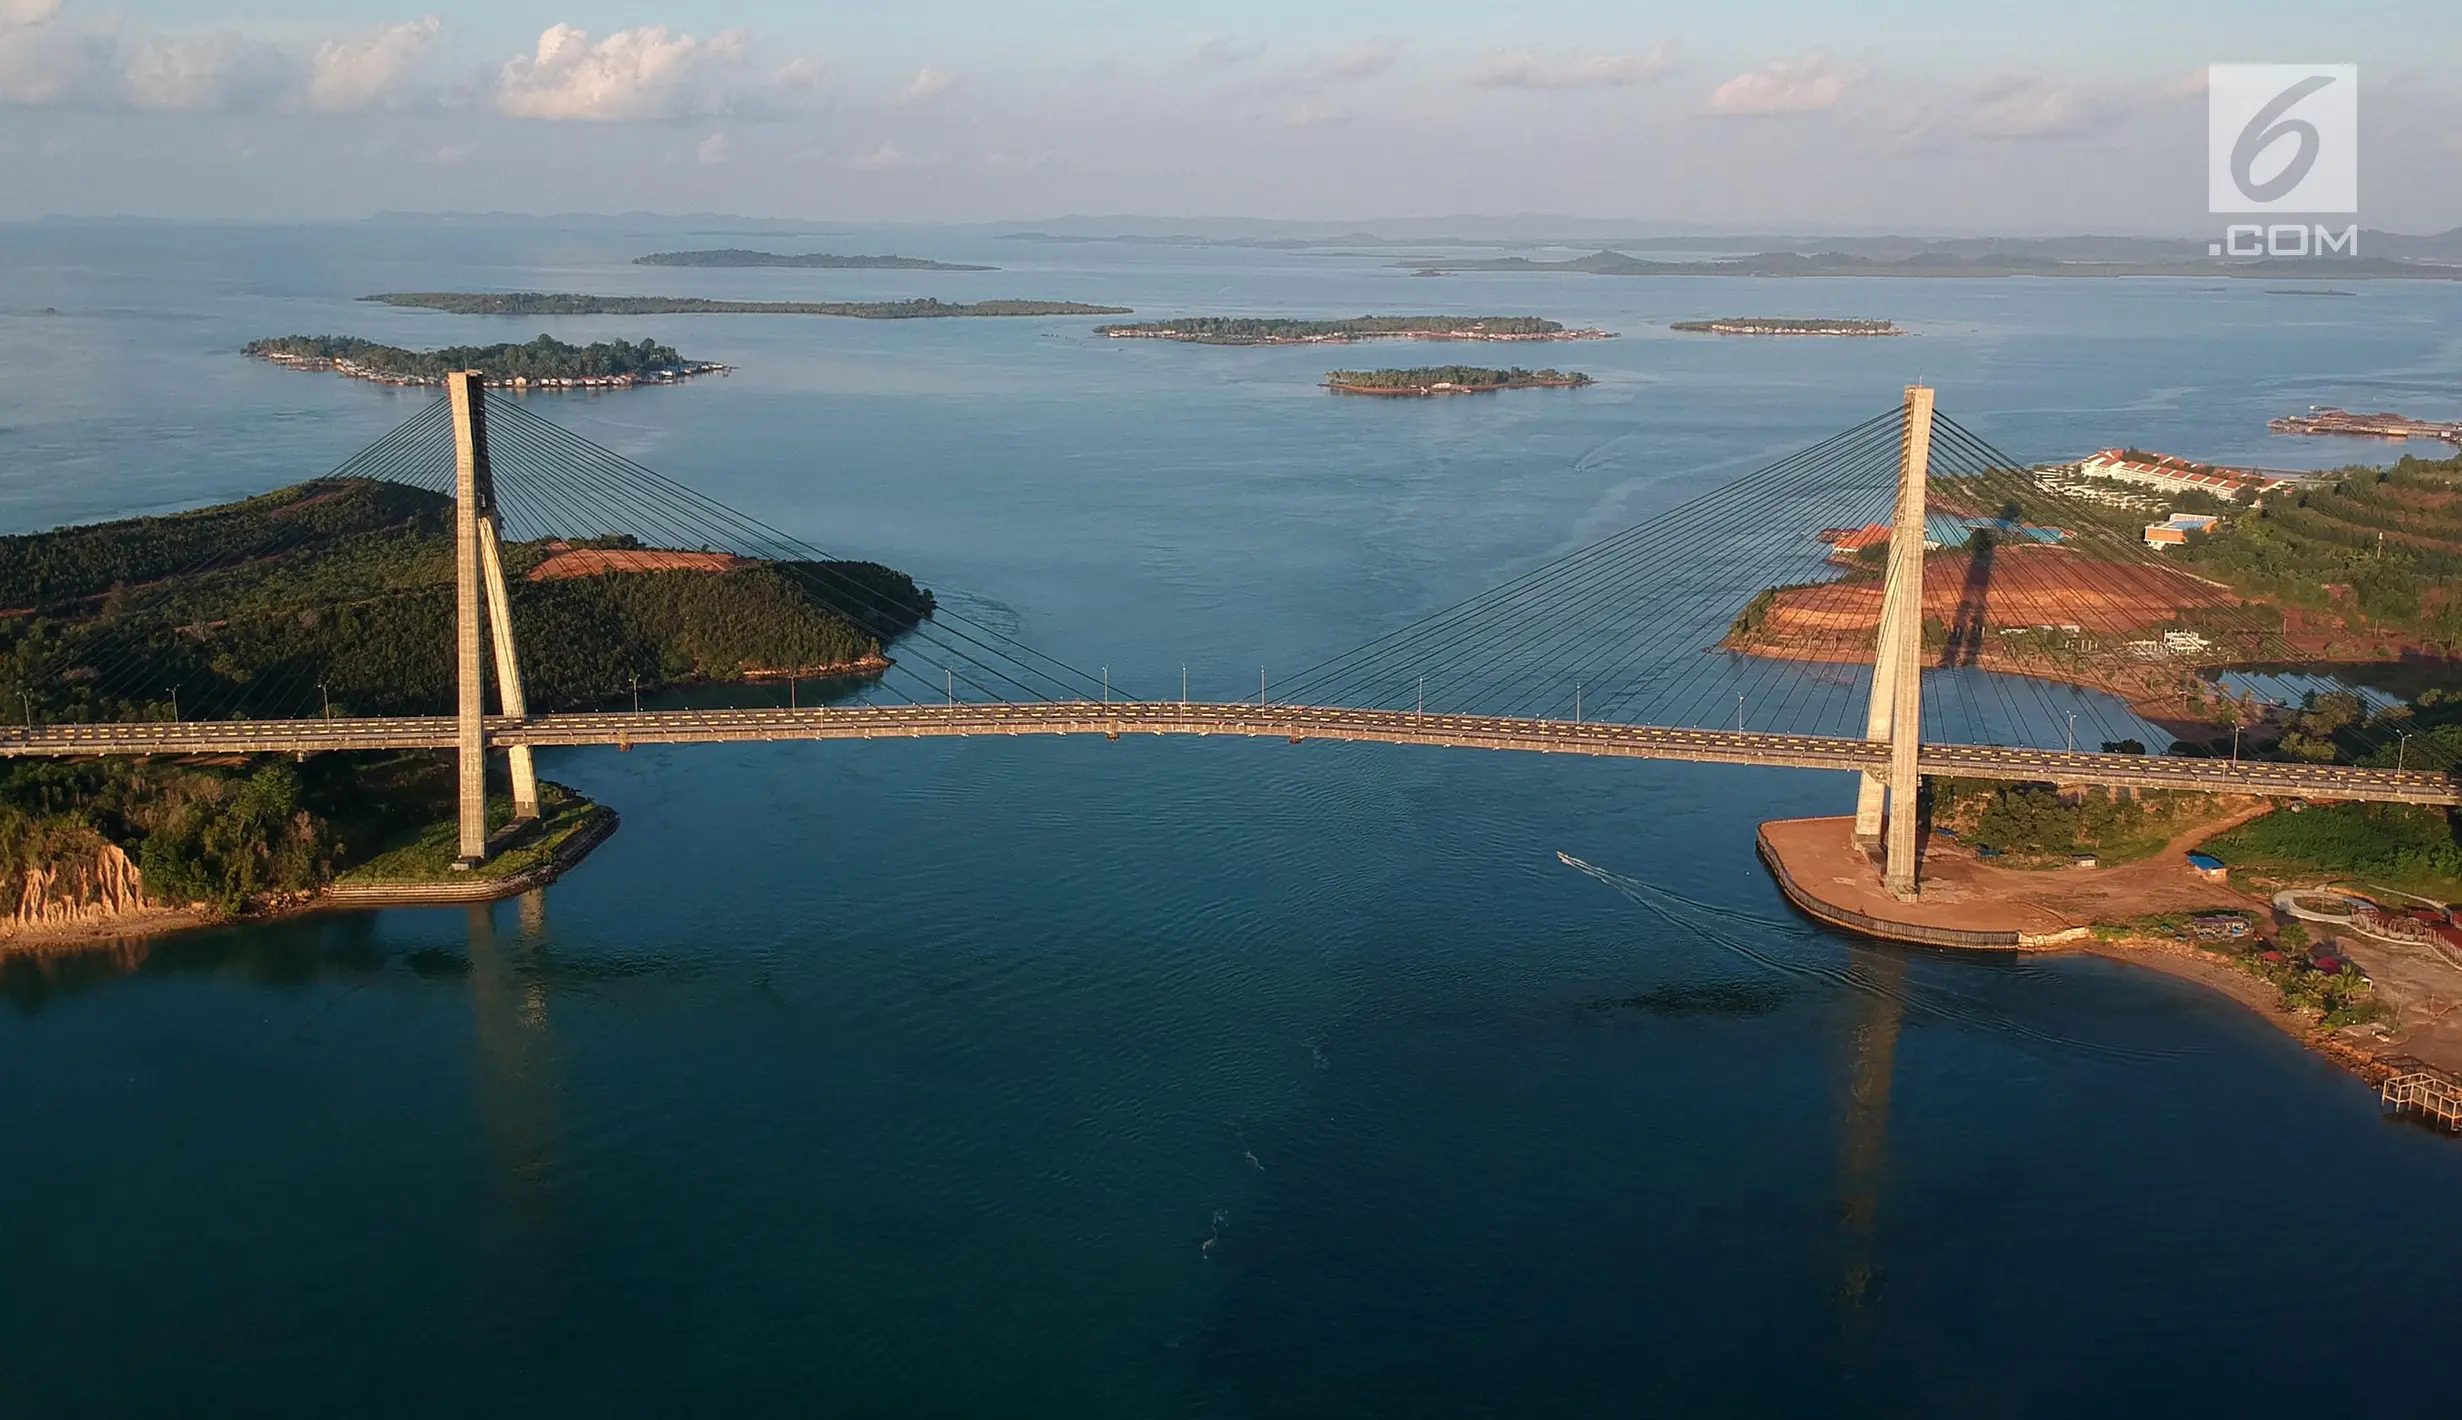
(597,561)
(2022,588)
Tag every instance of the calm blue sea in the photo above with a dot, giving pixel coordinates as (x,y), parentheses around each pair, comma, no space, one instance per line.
(1201,1078)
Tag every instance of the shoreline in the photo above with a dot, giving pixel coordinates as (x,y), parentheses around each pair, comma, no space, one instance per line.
(145,926)
(1355,338)
(1978,910)
(352,370)
(1434,390)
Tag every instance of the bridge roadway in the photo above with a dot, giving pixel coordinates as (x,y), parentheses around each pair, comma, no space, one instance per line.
(1292,722)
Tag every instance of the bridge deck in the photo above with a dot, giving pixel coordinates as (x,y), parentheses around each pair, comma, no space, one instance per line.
(1281,721)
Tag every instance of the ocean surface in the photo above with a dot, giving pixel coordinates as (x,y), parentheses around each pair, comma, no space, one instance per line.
(1199,1078)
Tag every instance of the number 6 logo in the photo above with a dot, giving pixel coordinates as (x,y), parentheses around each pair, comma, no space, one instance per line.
(2282,138)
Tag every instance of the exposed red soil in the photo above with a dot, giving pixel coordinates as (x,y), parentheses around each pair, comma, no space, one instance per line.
(596,561)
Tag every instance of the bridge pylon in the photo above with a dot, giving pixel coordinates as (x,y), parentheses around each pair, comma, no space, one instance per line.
(479,591)
(1895,713)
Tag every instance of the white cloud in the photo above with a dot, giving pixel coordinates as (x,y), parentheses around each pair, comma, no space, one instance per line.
(366,71)
(927,85)
(2023,107)
(712,150)
(201,71)
(45,62)
(645,73)
(883,159)
(451,155)
(1803,85)
(1522,69)
(52,58)
(1365,62)
(803,72)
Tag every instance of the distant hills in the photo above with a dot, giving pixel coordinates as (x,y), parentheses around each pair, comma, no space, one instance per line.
(821,260)
(1984,260)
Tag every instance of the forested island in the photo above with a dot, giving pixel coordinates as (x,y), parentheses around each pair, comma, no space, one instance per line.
(544,363)
(1267,330)
(540,303)
(337,595)
(821,261)
(1787,325)
(1430,380)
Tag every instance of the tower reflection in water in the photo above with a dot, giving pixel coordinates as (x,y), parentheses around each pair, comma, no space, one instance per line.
(515,1070)
(1872,1049)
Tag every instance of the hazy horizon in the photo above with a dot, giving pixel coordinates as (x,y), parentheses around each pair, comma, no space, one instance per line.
(1765,115)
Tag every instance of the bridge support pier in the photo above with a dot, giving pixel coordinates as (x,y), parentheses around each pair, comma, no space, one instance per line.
(1896,710)
(479,590)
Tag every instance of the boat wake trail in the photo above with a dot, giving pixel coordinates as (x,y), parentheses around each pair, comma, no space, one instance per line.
(1702,920)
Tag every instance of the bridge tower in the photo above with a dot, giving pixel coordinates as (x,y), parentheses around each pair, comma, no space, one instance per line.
(478,583)
(1895,713)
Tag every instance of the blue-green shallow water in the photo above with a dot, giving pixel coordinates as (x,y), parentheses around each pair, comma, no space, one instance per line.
(916,1078)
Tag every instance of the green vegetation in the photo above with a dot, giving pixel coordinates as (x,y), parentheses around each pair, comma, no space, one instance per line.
(2405,847)
(229,836)
(1786,325)
(2335,994)
(2034,825)
(2378,548)
(1433,379)
(1261,330)
(537,303)
(738,256)
(428,852)
(545,358)
(347,584)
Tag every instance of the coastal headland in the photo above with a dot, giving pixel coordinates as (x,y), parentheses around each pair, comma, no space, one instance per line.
(545,303)
(808,261)
(335,597)
(1252,330)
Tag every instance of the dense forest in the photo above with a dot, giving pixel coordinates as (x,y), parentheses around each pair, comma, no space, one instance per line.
(1428,378)
(819,260)
(545,358)
(341,590)
(540,303)
(1263,330)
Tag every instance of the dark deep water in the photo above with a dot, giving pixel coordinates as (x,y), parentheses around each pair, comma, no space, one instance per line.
(1192,1077)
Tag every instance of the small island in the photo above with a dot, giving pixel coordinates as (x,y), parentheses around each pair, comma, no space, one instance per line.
(543,364)
(1430,380)
(542,303)
(819,260)
(1787,325)
(1262,330)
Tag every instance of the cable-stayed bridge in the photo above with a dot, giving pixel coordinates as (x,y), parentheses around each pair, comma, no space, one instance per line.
(1899,601)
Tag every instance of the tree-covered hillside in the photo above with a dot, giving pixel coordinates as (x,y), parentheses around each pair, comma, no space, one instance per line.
(346,584)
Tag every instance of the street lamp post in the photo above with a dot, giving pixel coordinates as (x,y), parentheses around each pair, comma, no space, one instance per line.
(2072,732)
(321,690)
(175,702)
(2401,747)
(1739,712)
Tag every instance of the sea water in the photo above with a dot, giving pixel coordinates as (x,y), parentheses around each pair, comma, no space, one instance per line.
(1222,1077)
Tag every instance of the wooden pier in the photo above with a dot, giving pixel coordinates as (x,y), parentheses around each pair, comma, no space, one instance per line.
(2426,1095)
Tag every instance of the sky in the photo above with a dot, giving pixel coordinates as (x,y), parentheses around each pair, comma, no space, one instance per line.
(2084,116)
